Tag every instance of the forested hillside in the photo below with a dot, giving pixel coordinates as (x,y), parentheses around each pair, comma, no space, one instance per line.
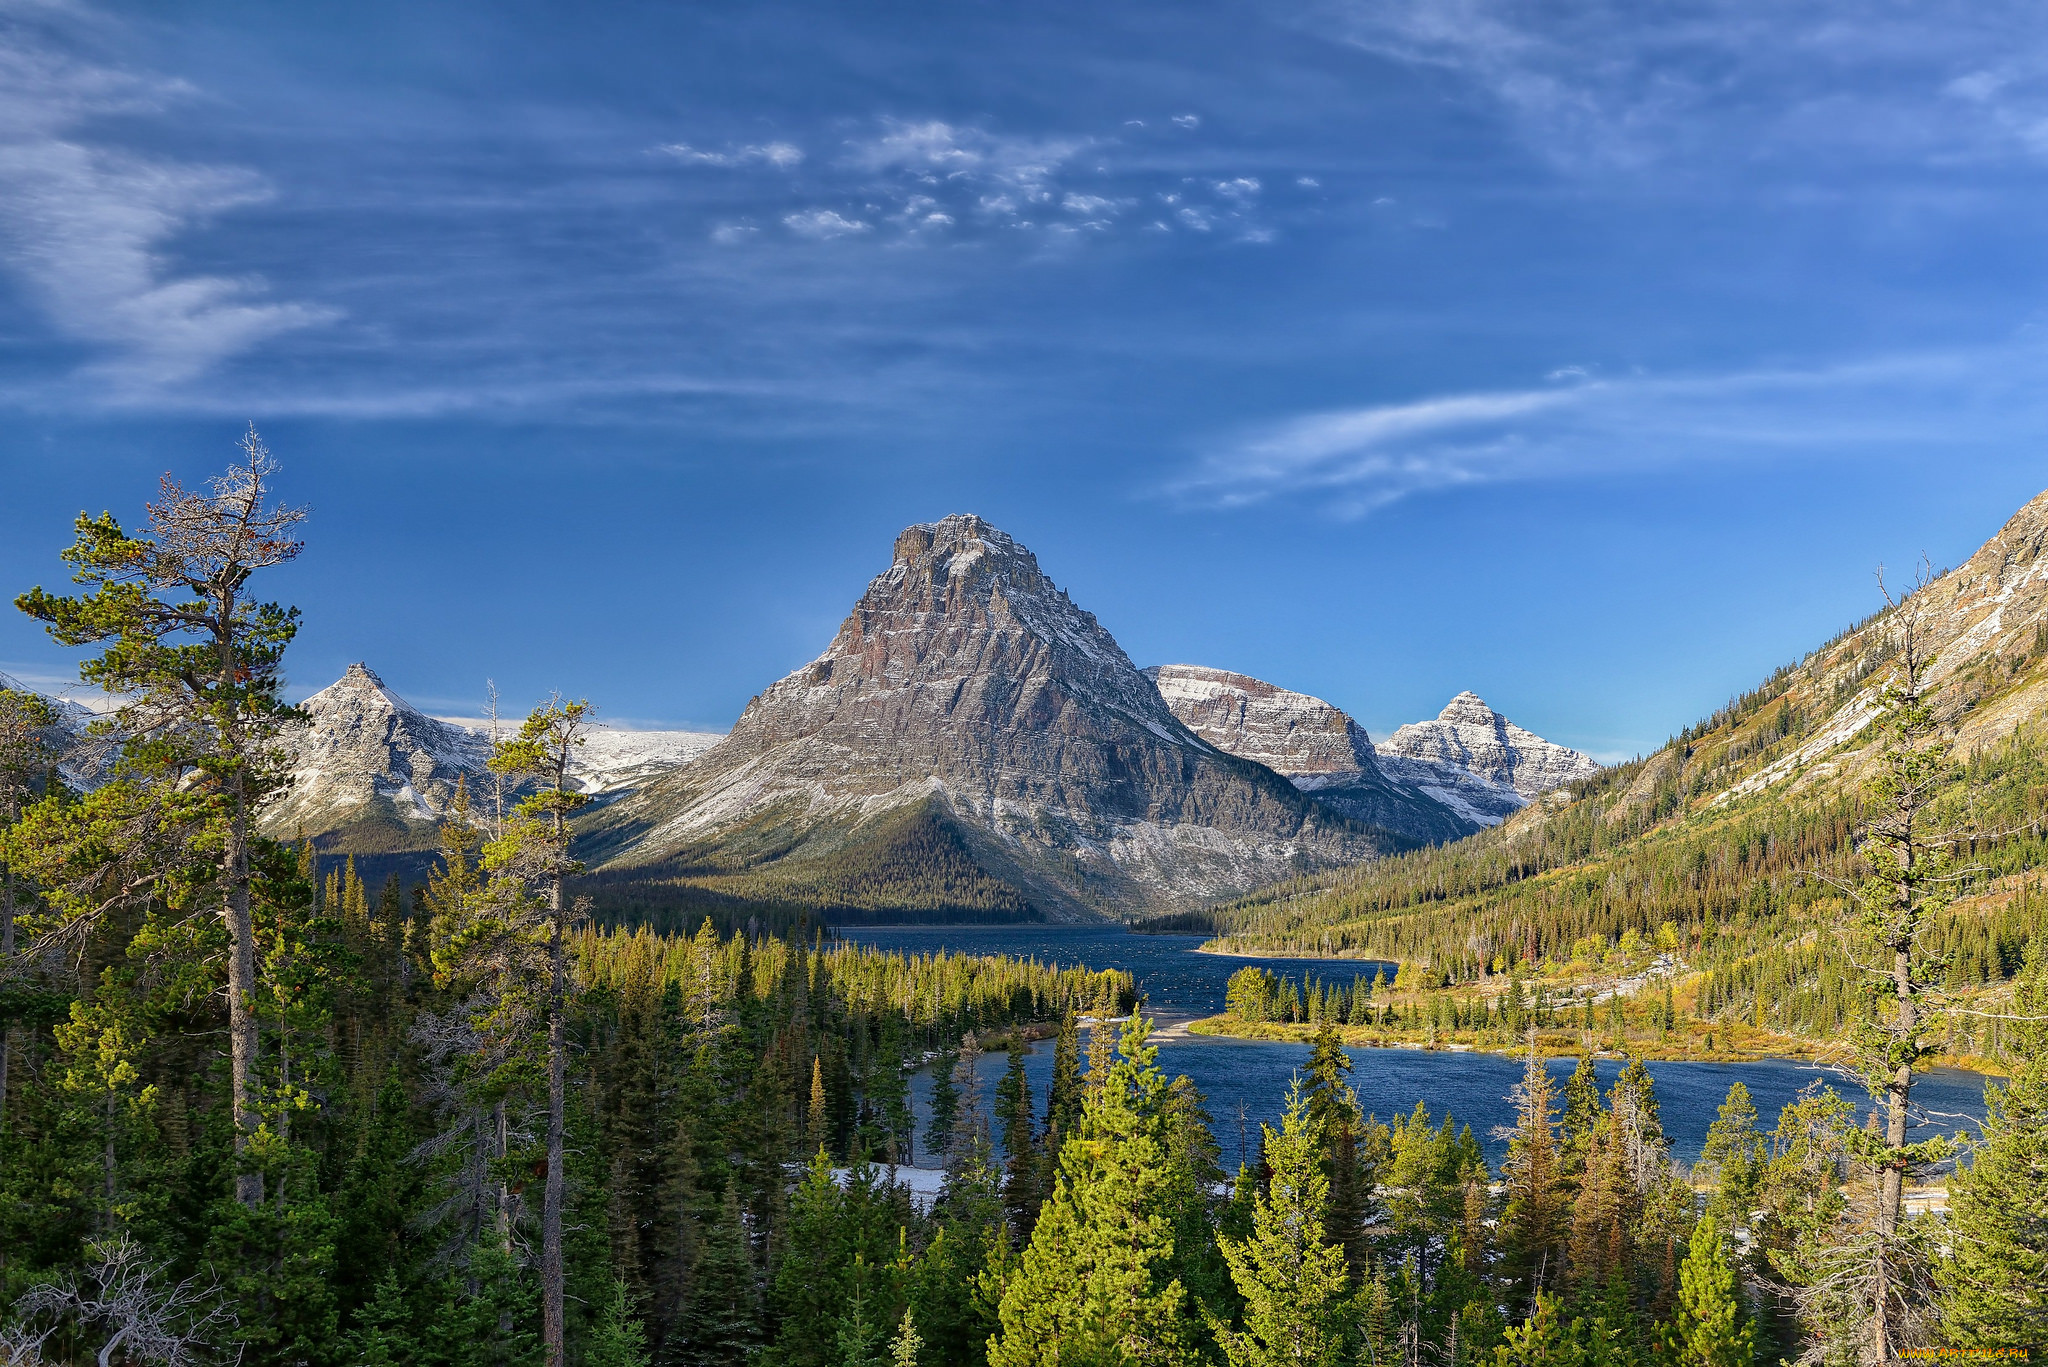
(1723,858)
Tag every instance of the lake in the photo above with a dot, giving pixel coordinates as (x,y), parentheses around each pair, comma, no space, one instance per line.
(1245,1081)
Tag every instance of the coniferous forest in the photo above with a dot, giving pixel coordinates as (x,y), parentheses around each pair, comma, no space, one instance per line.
(256,1111)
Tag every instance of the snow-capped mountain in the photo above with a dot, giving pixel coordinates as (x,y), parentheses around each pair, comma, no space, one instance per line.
(969,689)
(1311,743)
(1477,762)
(83,759)
(370,759)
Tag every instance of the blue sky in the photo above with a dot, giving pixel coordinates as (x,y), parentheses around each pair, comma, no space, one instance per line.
(1588,356)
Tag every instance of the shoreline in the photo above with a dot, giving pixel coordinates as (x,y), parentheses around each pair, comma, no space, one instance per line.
(1203,948)
(1791,1050)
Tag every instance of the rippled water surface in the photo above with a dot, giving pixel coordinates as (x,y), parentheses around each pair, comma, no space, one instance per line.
(1245,1081)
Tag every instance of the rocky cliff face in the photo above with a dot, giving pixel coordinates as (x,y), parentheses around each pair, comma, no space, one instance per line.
(1311,743)
(965,682)
(1478,762)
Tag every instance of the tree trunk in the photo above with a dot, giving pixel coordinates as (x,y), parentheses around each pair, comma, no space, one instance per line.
(551,1200)
(241,990)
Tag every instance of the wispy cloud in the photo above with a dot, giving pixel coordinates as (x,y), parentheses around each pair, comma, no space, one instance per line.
(1614,84)
(1354,461)
(781,155)
(87,227)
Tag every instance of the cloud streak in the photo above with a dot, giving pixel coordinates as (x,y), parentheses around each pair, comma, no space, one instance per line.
(1354,461)
(1617,85)
(87,227)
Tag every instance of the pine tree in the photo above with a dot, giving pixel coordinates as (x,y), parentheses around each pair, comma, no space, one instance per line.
(1911,869)
(1532,1222)
(1291,1279)
(1582,1111)
(1063,1096)
(199,665)
(1710,1330)
(383,1336)
(27,751)
(1733,1157)
(942,1129)
(721,1325)
(1995,1280)
(809,1290)
(1020,1147)
(618,1339)
(861,1340)
(903,1349)
(535,850)
(1090,1287)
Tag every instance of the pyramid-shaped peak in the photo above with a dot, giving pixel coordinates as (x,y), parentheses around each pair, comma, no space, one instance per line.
(1468,709)
(358,687)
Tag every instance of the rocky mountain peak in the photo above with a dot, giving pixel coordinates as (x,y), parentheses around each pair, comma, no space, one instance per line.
(966,683)
(1470,738)
(1469,709)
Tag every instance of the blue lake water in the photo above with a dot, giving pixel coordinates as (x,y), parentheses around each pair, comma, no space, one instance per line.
(1245,1081)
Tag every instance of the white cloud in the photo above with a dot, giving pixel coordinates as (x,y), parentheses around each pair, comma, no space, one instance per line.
(822,224)
(1308,182)
(1188,120)
(86,226)
(781,155)
(1356,460)
(941,151)
(1241,188)
(1087,204)
(1611,83)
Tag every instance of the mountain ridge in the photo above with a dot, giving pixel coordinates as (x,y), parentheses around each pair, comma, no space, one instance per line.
(1311,743)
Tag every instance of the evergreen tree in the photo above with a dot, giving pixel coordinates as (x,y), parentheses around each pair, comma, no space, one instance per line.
(1710,1330)
(1911,872)
(941,1130)
(534,849)
(199,667)
(1021,1159)
(721,1325)
(384,1336)
(1063,1096)
(861,1341)
(618,1339)
(1292,1280)
(1582,1111)
(1532,1222)
(27,751)
(1733,1157)
(1995,1279)
(903,1349)
(1090,1287)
